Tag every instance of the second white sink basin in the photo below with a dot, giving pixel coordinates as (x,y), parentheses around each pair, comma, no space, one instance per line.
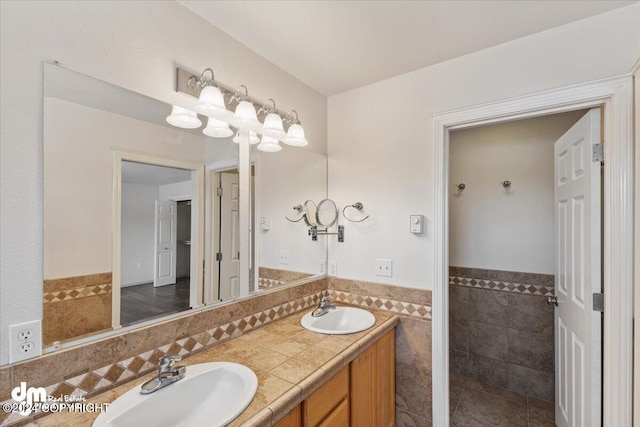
(210,394)
(339,321)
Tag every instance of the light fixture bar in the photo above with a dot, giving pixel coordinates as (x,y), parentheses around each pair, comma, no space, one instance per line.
(182,79)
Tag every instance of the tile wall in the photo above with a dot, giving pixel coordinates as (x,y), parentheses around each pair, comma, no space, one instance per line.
(413,341)
(76,306)
(501,329)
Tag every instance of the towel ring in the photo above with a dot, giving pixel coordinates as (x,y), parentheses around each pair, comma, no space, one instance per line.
(299,209)
(357,206)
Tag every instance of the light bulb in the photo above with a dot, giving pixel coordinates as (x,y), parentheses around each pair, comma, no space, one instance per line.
(211,103)
(183,118)
(253,137)
(273,126)
(295,136)
(217,129)
(269,144)
(245,116)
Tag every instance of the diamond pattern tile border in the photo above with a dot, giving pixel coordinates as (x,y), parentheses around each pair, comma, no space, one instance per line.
(264,283)
(376,303)
(109,376)
(76,293)
(520,288)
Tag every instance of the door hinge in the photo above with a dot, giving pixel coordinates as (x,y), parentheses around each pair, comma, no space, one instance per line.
(598,302)
(598,153)
(219,256)
(219,191)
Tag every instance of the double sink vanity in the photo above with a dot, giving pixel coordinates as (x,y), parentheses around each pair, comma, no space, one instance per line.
(337,369)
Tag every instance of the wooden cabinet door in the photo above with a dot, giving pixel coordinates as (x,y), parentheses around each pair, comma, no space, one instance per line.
(362,394)
(292,419)
(321,403)
(339,417)
(385,381)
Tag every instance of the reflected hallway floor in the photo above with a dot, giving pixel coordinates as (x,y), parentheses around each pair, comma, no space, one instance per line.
(474,404)
(144,302)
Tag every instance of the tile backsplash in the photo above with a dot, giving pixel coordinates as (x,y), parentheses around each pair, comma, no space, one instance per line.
(76,306)
(501,329)
(98,366)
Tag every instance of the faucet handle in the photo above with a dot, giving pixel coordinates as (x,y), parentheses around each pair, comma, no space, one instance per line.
(167,362)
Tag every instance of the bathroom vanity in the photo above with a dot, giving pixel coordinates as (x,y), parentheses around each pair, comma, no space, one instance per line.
(304,378)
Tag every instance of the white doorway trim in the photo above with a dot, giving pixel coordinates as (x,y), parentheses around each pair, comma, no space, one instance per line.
(615,96)
(198,211)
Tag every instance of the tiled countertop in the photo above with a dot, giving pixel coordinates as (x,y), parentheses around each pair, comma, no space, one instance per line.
(289,361)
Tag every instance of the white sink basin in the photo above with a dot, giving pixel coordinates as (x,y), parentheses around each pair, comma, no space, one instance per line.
(210,394)
(339,321)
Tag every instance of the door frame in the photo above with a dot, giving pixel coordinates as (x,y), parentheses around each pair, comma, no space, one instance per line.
(615,97)
(197,242)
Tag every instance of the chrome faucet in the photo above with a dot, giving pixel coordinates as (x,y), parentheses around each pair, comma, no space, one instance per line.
(323,307)
(167,374)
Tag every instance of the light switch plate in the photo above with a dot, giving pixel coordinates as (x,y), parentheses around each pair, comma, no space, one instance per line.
(415,223)
(265,223)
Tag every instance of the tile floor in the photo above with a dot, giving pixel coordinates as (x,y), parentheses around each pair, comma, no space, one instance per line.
(474,404)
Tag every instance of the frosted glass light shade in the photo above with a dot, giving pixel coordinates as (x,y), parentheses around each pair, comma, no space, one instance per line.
(253,137)
(217,129)
(245,116)
(183,118)
(269,144)
(273,126)
(211,103)
(295,136)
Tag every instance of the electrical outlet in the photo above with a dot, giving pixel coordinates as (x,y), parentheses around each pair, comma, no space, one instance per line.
(284,257)
(139,266)
(25,341)
(26,347)
(323,267)
(383,267)
(333,269)
(25,334)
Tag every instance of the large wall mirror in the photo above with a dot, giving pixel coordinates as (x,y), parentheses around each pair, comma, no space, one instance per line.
(142,219)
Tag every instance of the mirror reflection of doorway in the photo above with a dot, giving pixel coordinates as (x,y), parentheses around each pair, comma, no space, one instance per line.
(156,232)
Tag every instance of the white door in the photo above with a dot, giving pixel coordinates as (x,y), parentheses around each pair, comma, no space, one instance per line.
(578,272)
(165,243)
(229,236)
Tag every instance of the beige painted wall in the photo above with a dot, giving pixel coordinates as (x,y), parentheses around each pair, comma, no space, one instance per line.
(135,45)
(505,229)
(381,149)
(636,393)
(283,180)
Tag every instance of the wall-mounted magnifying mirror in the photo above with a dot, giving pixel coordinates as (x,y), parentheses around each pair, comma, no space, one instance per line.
(326,214)
(310,211)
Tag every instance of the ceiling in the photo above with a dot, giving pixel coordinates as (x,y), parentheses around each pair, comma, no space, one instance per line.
(335,46)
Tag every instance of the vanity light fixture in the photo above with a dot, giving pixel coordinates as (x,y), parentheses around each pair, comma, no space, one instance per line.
(183,118)
(272,122)
(222,103)
(217,128)
(269,144)
(253,137)
(211,101)
(295,134)
(245,116)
